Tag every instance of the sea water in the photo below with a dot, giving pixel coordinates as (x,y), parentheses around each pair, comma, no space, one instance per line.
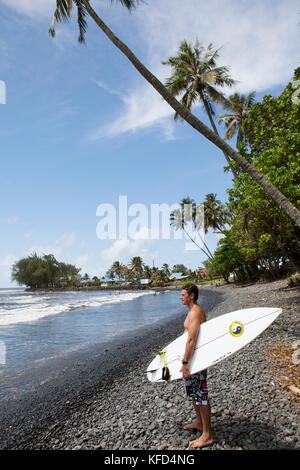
(38,328)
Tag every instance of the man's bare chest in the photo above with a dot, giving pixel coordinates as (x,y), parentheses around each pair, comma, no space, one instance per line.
(186,322)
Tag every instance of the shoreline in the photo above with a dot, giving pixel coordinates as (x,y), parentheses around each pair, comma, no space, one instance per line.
(122,410)
(99,288)
(78,375)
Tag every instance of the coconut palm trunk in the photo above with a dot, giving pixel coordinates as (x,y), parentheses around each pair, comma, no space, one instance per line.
(273,192)
(215,129)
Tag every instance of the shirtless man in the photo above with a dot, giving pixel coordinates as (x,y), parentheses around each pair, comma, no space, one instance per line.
(196,387)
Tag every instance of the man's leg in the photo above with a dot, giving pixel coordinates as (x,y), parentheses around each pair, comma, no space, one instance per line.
(198,423)
(206,438)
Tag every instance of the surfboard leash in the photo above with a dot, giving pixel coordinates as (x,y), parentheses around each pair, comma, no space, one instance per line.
(165,370)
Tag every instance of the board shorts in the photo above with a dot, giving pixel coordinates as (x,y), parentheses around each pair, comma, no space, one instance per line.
(196,387)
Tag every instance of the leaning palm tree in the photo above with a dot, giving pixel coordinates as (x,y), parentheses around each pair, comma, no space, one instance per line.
(84,8)
(188,213)
(239,106)
(196,77)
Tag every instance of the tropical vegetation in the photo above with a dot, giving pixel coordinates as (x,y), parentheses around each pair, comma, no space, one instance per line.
(196,77)
(238,105)
(44,272)
(259,240)
(137,270)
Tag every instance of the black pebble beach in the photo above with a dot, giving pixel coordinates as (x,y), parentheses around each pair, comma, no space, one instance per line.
(104,401)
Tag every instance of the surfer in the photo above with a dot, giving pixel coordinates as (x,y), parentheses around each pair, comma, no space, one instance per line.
(196,387)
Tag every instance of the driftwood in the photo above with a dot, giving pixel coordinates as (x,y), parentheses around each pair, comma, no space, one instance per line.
(294,389)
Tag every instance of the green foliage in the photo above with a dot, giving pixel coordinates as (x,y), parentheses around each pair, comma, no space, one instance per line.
(179,268)
(196,76)
(44,272)
(239,106)
(63,13)
(261,233)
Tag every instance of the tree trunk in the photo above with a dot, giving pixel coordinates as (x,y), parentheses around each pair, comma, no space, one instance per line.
(209,257)
(215,129)
(273,192)
(285,251)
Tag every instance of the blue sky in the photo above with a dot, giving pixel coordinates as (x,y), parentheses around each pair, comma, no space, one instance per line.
(80,127)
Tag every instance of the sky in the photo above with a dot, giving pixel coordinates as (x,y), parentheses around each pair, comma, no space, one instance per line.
(81,128)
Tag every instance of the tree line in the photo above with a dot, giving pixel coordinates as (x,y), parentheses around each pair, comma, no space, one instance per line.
(45,272)
(136,269)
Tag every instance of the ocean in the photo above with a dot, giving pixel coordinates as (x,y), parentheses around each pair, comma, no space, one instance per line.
(41,330)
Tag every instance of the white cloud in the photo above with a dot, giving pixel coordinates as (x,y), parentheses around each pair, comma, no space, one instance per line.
(82,262)
(5,271)
(122,250)
(63,249)
(61,245)
(7,261)
(28,234)
(143,109)
(9,220)
(33,8)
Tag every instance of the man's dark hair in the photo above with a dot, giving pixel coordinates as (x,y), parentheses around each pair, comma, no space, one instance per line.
(191,289)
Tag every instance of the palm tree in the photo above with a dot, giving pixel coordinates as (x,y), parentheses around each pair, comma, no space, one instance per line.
(63,12)
(196,75)
(188,213)
(165,269)
(216,215)
(147,271)
(239,105)
(136,266)
(117,269)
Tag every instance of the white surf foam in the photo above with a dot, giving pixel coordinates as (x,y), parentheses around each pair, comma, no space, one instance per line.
(32,309)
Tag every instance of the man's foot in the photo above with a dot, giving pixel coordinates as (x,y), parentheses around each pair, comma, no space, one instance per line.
(202,441)
(194,425)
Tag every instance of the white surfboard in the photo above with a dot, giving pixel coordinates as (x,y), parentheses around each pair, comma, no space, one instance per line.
(218,339)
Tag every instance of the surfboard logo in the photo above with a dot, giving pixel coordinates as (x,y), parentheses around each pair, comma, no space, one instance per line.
(236,328)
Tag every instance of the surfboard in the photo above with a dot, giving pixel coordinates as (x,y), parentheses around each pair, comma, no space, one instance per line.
(217,340)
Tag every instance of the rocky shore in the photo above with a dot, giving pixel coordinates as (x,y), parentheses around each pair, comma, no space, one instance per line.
(251,406)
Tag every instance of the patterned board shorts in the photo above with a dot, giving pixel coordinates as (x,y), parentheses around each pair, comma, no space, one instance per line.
(196,387)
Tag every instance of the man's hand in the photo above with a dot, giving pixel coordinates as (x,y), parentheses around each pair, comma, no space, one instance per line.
(185,369)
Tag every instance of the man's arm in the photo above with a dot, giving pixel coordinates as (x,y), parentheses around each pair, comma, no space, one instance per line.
(193,330)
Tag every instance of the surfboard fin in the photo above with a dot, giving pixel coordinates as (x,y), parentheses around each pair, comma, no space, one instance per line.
(165,370)
(165,374)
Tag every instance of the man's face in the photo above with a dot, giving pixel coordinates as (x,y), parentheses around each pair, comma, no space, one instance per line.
(185,297)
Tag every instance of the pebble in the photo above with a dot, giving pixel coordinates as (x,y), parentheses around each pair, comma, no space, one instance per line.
(132,413)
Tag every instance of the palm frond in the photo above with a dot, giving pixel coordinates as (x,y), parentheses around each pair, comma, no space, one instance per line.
(61,13)
(81,19)
(232,128)
(129,4)
(239,105)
